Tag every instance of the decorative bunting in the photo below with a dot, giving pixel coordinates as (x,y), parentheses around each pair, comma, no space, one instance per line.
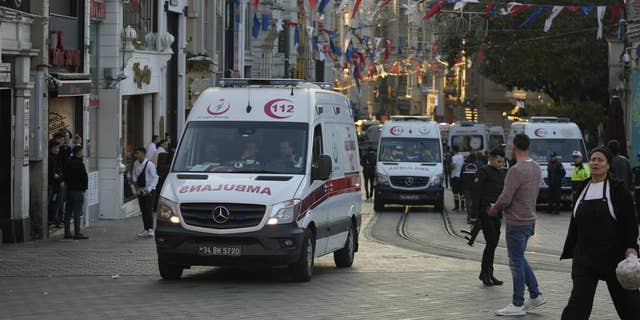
(254,3)
(616,13)
(323,4)
(533,16)
(265,21)
(255,31)
(433,10)
(601,11)
(586,10)
(296,35)
(356,6)
(555,11)
(312,3)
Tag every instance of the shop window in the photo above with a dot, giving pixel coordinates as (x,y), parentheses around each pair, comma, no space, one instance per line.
(142,16)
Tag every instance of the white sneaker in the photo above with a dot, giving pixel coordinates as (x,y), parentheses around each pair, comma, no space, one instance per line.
(150,233)
(534,303)
(143,234)
(511,310)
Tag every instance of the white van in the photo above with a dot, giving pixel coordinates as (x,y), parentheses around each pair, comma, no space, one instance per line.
(266,172)
(469,137)
(547,135)
(409,168)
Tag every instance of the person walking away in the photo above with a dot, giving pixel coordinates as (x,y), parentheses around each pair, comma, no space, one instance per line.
(518,203)
(555,174)
(636,182)
(457,161)
(163,145)
(467,176)
(145,179)
(152,147)
(487,186)
(368,163)
(620,166)
(578,176)
(602,232)
(77,181)
(55,184)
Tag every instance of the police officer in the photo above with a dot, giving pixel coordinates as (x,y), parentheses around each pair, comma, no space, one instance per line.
(636,184)
(580,174)
(487,187)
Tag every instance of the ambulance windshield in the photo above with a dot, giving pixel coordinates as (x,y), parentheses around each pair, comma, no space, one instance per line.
(243,147)
(410,150)
(540,149)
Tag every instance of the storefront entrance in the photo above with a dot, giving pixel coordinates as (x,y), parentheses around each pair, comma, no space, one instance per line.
(5,158)
(132,134)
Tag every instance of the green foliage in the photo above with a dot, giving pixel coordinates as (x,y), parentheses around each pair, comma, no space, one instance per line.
(567,63)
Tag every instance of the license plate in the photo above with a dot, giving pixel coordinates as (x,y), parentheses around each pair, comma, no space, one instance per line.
(409,197)
(214,250)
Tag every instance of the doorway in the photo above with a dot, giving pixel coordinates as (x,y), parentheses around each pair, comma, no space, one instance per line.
(6,110)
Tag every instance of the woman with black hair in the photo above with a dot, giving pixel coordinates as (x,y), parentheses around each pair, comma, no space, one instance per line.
(603,231)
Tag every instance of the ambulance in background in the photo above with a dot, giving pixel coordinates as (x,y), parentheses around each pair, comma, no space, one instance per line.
(547,135)
(409,170)
(266,172)
(469,137)
(496,137)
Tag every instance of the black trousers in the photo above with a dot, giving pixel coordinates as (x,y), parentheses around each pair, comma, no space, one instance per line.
(491,231)
(637,199)
(554,199)
(368,184)
(146,207)
(585,280)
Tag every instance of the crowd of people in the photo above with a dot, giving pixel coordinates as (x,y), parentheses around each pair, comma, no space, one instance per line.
(603,228)
(67,182)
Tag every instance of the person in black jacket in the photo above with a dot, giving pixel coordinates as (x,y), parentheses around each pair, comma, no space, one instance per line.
(467,176)
(487,187)
(368,163)
(556,174)
(55,184)
(602,232)
(76,178)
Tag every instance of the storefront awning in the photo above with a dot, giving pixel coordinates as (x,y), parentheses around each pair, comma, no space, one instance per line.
(70,84)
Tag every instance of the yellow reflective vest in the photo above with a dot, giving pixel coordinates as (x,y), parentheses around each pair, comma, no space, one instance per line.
(581,174)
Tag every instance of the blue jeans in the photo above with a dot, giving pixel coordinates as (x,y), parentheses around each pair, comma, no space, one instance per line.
(74,201)
(521,272)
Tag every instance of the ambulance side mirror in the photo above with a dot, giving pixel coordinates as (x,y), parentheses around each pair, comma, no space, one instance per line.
(324,168)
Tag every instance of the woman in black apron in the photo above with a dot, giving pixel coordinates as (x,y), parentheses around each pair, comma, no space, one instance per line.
(603,231)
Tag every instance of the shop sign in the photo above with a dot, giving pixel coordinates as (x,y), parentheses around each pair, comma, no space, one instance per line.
(141,75)
(5,72)
(22,5)
(98,10)
(25,162)
(73,88)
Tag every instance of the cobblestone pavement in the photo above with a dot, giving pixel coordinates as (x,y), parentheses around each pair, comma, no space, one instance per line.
(114,275)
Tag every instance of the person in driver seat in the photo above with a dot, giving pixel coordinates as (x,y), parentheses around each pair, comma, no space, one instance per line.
(250,151)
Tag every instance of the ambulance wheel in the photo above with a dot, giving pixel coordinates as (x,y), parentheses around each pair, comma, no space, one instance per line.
(378,205)
(344,257)
(170,271)
(302,270)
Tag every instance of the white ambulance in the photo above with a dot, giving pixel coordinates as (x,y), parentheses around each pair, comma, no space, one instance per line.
(266,172)
(547,135)
(469,137)
(409,168)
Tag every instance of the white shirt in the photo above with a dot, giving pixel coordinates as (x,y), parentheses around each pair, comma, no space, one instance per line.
(595,192)
(154,158)
(151,176)
(151,149)
(458,162)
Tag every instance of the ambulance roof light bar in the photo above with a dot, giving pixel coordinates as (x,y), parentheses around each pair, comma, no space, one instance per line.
(249,82)
(548,119)
(411,118)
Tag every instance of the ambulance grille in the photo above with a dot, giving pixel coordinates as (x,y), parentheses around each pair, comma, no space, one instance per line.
(409,181)
(240,215)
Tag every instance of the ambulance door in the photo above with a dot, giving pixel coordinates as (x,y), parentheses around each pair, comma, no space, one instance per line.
(318,192)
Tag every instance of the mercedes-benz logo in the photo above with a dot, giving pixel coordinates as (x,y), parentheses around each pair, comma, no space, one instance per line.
(409,181)
(220,214)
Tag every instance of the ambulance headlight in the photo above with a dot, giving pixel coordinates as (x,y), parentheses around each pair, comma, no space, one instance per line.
(284,212)
(167,211)
(382,179)
(436,181)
